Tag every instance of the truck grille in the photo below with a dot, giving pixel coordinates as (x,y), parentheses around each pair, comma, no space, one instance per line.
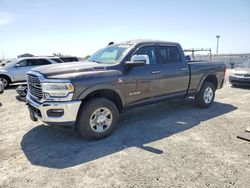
(34,86)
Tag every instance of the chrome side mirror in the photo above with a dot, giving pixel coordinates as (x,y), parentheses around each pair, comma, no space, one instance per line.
(138,60)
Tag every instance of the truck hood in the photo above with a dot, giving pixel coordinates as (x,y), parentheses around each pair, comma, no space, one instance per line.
(58,70)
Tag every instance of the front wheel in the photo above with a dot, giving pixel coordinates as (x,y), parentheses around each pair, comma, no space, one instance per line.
(97,118)
(5,80)
(205,97)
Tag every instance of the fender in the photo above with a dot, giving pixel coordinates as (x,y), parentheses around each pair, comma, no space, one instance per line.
(6,73)
(204,77)
(100,87)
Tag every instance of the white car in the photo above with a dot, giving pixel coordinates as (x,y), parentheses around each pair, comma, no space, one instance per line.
(16,70)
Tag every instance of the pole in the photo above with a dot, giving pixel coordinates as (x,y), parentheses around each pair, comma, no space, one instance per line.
(2,54)
(217,49)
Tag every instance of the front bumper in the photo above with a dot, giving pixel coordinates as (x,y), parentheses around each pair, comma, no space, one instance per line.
(42,111)
(239,80)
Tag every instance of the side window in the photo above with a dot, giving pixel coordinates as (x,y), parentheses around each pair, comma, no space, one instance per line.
(38,62)
(169,54)
(147,50)
(42,62)
(23,63)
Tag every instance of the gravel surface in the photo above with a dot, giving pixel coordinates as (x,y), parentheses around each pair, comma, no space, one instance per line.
(171,144)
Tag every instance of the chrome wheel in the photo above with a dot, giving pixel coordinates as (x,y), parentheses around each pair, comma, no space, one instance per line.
(4,81)
(101,120)
(208,95)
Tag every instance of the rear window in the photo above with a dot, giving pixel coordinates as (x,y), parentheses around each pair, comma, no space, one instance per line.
(69,59)
(169,54)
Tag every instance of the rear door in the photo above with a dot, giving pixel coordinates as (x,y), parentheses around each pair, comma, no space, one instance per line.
(173,69)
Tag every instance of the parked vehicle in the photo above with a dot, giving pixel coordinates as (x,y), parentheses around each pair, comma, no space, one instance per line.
(241,74)
(22,92)
(16,70)
(119,77)
(1,87)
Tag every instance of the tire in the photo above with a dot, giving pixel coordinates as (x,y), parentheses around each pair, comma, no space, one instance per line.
(5,80)
(205,97)
(97,118)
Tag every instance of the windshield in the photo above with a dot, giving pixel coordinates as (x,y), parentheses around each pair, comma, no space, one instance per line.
(245,64)
(111,54)
(9,64)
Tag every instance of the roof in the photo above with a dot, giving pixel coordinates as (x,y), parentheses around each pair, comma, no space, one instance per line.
(139,41)
(39,57)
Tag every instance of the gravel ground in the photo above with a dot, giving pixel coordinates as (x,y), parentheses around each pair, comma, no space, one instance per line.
(172,144)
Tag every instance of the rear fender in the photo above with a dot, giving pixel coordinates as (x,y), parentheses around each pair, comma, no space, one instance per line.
(205,77)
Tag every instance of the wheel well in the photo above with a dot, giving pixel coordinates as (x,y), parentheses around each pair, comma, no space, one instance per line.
(106,93)
(213,79)
(7,77)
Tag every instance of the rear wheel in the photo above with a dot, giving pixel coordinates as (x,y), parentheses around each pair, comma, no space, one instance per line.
(5,80)
(205,97)
(97,118)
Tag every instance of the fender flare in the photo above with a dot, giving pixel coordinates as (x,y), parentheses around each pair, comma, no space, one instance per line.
(86,92)
(205,76)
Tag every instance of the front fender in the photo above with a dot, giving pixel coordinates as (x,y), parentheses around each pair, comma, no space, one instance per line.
(87,91)
(6,73)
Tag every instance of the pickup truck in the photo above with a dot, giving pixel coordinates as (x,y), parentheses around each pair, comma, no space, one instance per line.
(90,95)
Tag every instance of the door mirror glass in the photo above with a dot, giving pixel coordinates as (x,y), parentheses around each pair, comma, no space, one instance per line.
(138,60)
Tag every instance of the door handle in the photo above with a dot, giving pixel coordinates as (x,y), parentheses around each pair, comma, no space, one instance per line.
(155,72)
(183,69)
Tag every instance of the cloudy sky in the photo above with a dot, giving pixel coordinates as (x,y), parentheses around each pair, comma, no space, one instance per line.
(80,27)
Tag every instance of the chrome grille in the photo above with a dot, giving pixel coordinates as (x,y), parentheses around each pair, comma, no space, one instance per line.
(34,86)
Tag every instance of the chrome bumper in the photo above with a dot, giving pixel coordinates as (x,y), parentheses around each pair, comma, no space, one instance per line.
(40,111)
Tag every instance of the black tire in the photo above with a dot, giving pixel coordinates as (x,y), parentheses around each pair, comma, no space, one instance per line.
(87,111)
(6,80)
(201,101)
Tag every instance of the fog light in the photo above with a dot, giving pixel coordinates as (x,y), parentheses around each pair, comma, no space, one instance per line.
(55,112)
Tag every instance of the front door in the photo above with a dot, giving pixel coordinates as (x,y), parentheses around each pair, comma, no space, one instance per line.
(139,80)
(20,70)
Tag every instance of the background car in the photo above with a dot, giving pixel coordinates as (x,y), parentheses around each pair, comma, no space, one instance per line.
(241,74)
(16,70)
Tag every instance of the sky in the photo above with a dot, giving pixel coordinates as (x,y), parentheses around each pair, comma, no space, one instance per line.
(81,27)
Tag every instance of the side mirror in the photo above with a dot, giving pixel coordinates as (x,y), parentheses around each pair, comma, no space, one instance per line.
(188,57)
(17,65)
(1,87)
(138,60)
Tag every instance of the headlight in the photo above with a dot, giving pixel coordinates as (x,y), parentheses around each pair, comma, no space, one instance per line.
(57,89)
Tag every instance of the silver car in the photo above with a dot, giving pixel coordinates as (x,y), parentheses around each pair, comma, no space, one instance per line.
(241,75)
(16,70)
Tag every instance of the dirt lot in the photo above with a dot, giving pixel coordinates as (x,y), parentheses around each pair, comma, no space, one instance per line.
(172,144)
